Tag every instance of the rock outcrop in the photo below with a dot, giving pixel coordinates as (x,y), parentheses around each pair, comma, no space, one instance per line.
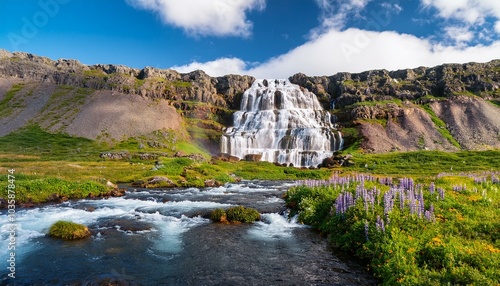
(149,82)
(402,110)
(447,107)
(344,89)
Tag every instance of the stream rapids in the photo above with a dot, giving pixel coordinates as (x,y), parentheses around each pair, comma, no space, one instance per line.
(162,237)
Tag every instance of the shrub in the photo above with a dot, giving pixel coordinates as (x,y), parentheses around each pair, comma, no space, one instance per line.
(68,230)
(218,215)
(444,233)
(242,214)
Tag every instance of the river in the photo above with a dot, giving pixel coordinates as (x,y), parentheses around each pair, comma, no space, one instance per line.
(161,237)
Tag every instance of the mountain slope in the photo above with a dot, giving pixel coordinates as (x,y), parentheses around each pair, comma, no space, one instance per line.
(448,107)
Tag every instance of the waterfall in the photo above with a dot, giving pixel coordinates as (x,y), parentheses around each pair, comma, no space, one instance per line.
(280,122)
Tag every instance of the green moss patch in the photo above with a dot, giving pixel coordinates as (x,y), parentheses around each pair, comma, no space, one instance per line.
(5,107)
(235,214)
(69,230)
(441,126)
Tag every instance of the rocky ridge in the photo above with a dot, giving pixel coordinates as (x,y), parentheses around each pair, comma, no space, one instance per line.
(446,107)
(149,82)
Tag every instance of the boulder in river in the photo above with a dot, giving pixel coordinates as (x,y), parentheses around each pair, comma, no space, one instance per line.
(68,230)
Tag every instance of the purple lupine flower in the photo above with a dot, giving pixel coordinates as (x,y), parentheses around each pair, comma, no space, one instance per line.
(495,179)
(432,188)
(388,202)
(427,215)
(380,224)
(441,193)
(421,203)
(413,205)
(402,199)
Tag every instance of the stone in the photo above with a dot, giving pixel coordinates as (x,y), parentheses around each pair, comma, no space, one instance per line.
(159,182)
(111,185)
(212,183)
(253,157)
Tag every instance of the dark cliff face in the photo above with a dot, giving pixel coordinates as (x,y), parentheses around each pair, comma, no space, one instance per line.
(482,79)
(446,107)
(149,82)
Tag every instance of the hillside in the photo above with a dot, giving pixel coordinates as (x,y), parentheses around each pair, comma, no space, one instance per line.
(448,107)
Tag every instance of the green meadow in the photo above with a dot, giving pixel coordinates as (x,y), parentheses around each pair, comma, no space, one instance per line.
(457,242)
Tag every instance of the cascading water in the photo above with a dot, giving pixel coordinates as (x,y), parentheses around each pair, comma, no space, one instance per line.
(280,122)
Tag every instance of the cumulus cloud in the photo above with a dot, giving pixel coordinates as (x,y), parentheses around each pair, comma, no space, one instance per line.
(459,35)
(335,13)
(469,11)
(214,68)
(202,17)
(353,50)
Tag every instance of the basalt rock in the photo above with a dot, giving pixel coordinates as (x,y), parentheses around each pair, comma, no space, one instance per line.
(344,89)
(150,82)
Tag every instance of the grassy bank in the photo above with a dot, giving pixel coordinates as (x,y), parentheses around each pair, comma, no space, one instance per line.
(445,232)
(40,158)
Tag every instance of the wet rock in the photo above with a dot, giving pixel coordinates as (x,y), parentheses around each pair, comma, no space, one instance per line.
(68,230)
(253,157)
(127,225)
(212,183)
(338,160)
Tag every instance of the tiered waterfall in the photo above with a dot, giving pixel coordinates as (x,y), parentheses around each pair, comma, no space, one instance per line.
(283,123)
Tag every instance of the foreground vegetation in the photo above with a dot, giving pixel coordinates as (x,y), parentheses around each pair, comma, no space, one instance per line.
(58,165)
(445,232)
(235,214)
(438,227)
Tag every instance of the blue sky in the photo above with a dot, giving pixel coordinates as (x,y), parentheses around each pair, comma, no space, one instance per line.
(263,38)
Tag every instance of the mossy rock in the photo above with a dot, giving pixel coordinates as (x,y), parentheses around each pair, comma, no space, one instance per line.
(218,215)
(236,214)
(68,230)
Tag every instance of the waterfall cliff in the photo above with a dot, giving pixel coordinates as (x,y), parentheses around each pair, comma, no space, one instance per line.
(280,122)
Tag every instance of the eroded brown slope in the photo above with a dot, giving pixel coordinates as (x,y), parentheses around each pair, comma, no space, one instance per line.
(473,122)
(102,114)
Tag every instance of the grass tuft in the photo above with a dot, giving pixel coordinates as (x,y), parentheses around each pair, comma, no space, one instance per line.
(68,230)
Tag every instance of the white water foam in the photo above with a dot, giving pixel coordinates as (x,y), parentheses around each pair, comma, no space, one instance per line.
(274,226)
(166,218)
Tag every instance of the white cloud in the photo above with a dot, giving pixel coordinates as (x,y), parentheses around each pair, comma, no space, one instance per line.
(459,34)
(497,27)
(468,11)
(203,17)
(354,50)
(214,68)
(335,13)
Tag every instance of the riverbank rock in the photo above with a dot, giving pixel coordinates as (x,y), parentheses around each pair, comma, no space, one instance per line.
(111,185)
(212,183)
(338,161)
(68,230)
(158,182)
(253,157)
